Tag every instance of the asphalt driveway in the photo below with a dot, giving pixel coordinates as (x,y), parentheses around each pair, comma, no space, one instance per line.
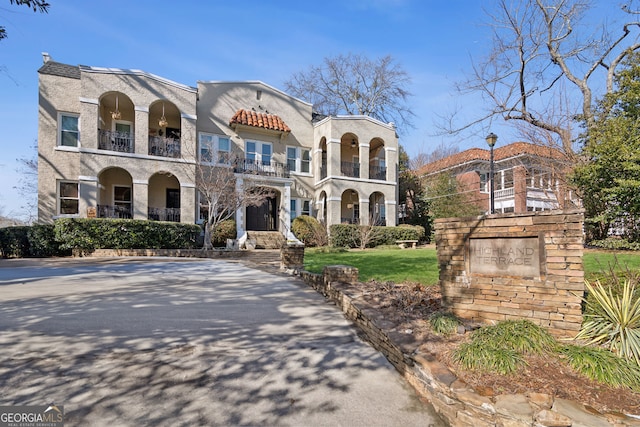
(187,342)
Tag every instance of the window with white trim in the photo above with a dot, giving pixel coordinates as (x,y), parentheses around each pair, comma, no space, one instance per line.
(68,129)
(258,152)
(299,207)
(214,148)
(299,159)
(68,198)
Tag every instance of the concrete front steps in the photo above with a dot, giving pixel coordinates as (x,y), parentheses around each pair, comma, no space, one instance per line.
(266,239)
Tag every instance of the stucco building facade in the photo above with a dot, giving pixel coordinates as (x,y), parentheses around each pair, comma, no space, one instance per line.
(118,143)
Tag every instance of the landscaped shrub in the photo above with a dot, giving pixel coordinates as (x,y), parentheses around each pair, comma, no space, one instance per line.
(603,366)
(612,318)
(84,235)
(223,231)
(14,241)
(349,235)
(444,323)
(29,241)
(615,244)
(501,348)
(344,235)
(43,243)
(309,231)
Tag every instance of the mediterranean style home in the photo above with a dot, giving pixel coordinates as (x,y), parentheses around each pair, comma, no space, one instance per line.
(527,177)
(118,143)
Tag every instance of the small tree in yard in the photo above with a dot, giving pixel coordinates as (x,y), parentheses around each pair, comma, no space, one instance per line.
(221,195)
(447,198)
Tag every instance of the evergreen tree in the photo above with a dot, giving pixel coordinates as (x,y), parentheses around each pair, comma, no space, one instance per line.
(609,177)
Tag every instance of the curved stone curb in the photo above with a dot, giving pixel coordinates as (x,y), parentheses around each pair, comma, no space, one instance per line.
(452,398)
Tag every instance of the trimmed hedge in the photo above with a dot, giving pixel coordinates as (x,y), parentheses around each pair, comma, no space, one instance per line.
(84,235)
(223,231)
(615,244)
(348,235)
(30,241)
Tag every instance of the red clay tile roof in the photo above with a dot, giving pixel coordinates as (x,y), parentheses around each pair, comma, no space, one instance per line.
(260,120)
(512,150)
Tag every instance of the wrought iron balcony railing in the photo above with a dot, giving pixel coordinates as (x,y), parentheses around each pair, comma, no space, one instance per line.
(255,167)
(164,214)
(115,141)
(350,169)
(164,146)
(378,172)
(110,211)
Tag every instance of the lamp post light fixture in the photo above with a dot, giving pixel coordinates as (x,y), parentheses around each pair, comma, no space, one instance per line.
(491,140)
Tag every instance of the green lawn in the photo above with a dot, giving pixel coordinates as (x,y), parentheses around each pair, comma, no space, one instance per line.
(596,263)
(421,265)
(397,265)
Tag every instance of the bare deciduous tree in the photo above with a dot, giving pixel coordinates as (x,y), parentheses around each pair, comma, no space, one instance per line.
(222,194)
(355,85)
(547,63)
(36,5)
(28,184)
(219,190)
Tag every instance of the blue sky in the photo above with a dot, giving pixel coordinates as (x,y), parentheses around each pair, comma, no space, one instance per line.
(190,40)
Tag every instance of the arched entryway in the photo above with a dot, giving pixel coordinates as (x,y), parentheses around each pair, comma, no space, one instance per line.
(164,197)
(321,207)
(115,198)
(377,211)
(350,207)
(264,216)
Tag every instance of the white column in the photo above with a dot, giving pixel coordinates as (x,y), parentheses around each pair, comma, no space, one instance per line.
(88,194)
(240,226)
(363,154)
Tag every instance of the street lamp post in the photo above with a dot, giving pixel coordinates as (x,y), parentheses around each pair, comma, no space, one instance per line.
(491,140)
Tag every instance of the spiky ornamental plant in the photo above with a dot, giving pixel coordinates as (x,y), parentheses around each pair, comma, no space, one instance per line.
(613,319)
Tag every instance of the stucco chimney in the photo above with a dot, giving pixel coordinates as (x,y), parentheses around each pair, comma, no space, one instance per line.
(45,57)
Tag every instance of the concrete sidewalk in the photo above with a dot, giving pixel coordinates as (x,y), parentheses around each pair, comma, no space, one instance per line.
(151,341)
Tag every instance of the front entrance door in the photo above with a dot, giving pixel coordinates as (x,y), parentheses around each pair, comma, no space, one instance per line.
(263,217)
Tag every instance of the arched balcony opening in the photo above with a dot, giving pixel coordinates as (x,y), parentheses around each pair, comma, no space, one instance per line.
(349,156)
(377,210)
(323,164)
(377,160)
(115,195)
(164,129)
(164,197)
(350,207)
(116,123)
(321,208)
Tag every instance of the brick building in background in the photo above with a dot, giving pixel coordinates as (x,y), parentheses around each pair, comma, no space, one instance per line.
(528,177)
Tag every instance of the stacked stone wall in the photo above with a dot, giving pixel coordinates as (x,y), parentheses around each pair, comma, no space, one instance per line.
(546,287)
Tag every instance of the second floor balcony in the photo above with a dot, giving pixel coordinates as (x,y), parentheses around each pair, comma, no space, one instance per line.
(378,172)
(256,167)
(164,146)
(350,169)
(115,141)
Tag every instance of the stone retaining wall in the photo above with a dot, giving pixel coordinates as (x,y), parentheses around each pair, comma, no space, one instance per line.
(452,398)
(484,279)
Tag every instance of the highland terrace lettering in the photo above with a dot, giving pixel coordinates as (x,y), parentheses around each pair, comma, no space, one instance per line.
(505,256)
